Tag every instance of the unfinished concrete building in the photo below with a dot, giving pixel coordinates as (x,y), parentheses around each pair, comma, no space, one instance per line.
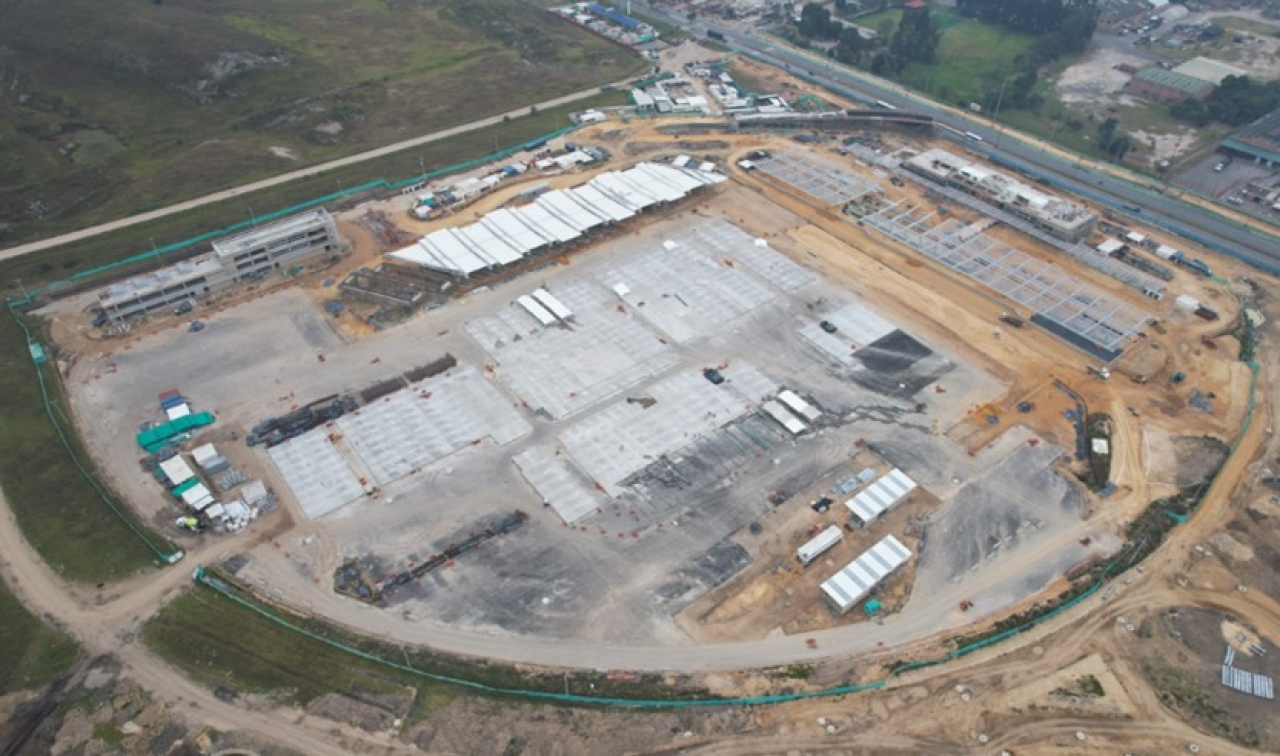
(272,245)
(268,247)
(1054,215)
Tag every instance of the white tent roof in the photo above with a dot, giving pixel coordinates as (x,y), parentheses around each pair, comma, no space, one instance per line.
(182,410)
(512,228)
(562,206)
(547,224)
(848,586)
(505,236)
(890,489)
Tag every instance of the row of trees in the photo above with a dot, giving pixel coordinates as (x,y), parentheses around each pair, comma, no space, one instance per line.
(1237,101)
(915,40)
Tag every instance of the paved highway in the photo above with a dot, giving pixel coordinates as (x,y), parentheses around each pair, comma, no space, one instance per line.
(1078,176)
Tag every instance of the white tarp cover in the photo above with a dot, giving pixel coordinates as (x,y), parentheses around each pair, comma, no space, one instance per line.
(819,544)
(539,312)
(847,587)
(799,406)
(555,306)
(204,454)
(784,418)
(182,410)
(197,497)
(177,470)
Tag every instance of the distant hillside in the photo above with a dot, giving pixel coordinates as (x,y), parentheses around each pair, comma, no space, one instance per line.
(112,107)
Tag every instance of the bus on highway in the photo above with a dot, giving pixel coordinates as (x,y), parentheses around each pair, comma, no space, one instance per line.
(884,105)
(973,136)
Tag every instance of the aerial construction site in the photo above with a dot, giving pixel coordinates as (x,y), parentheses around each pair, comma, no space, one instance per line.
(693,396)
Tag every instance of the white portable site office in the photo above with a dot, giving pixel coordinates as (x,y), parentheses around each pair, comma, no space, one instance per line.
(819,545)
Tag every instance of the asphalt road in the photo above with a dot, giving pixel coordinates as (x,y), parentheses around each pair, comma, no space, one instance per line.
(1077,176)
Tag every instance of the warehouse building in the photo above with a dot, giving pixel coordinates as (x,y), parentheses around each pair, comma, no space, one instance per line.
(272,246)
(1054,215)
(1168,87)
(1259,142)
(847,587)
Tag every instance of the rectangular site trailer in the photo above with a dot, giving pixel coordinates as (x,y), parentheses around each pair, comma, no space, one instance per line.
(819,545)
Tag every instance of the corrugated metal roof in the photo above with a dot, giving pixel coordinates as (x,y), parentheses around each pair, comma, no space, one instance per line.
(878,497)
(849,585)
(1173,80)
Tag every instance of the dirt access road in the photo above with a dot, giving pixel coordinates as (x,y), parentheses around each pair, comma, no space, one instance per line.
(284,178)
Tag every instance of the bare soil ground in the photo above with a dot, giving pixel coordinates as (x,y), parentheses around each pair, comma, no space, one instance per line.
(997,697)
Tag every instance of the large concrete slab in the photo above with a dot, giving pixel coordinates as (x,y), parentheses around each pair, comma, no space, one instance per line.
(856,326)
(685,285)
(624,438)
(551,477)
(562,369)
(317,474)
(414,427)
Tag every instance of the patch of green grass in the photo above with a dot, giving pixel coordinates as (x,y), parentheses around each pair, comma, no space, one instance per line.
(194,634)
(264,657)
(60,513)
(144,74)
(745,79)
(973,60)
(1237,23)
(108,733)
(32,654)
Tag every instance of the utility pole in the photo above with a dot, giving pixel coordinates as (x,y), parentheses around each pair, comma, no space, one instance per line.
(996,117)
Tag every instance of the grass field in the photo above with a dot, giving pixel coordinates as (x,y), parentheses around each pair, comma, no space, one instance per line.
(31,653)
(61,262)
(945,19)
(60,514)
(973,59)
(114,107)
(220,642)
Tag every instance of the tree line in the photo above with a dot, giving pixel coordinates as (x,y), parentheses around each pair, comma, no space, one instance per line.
(914,41)
(1236,101)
